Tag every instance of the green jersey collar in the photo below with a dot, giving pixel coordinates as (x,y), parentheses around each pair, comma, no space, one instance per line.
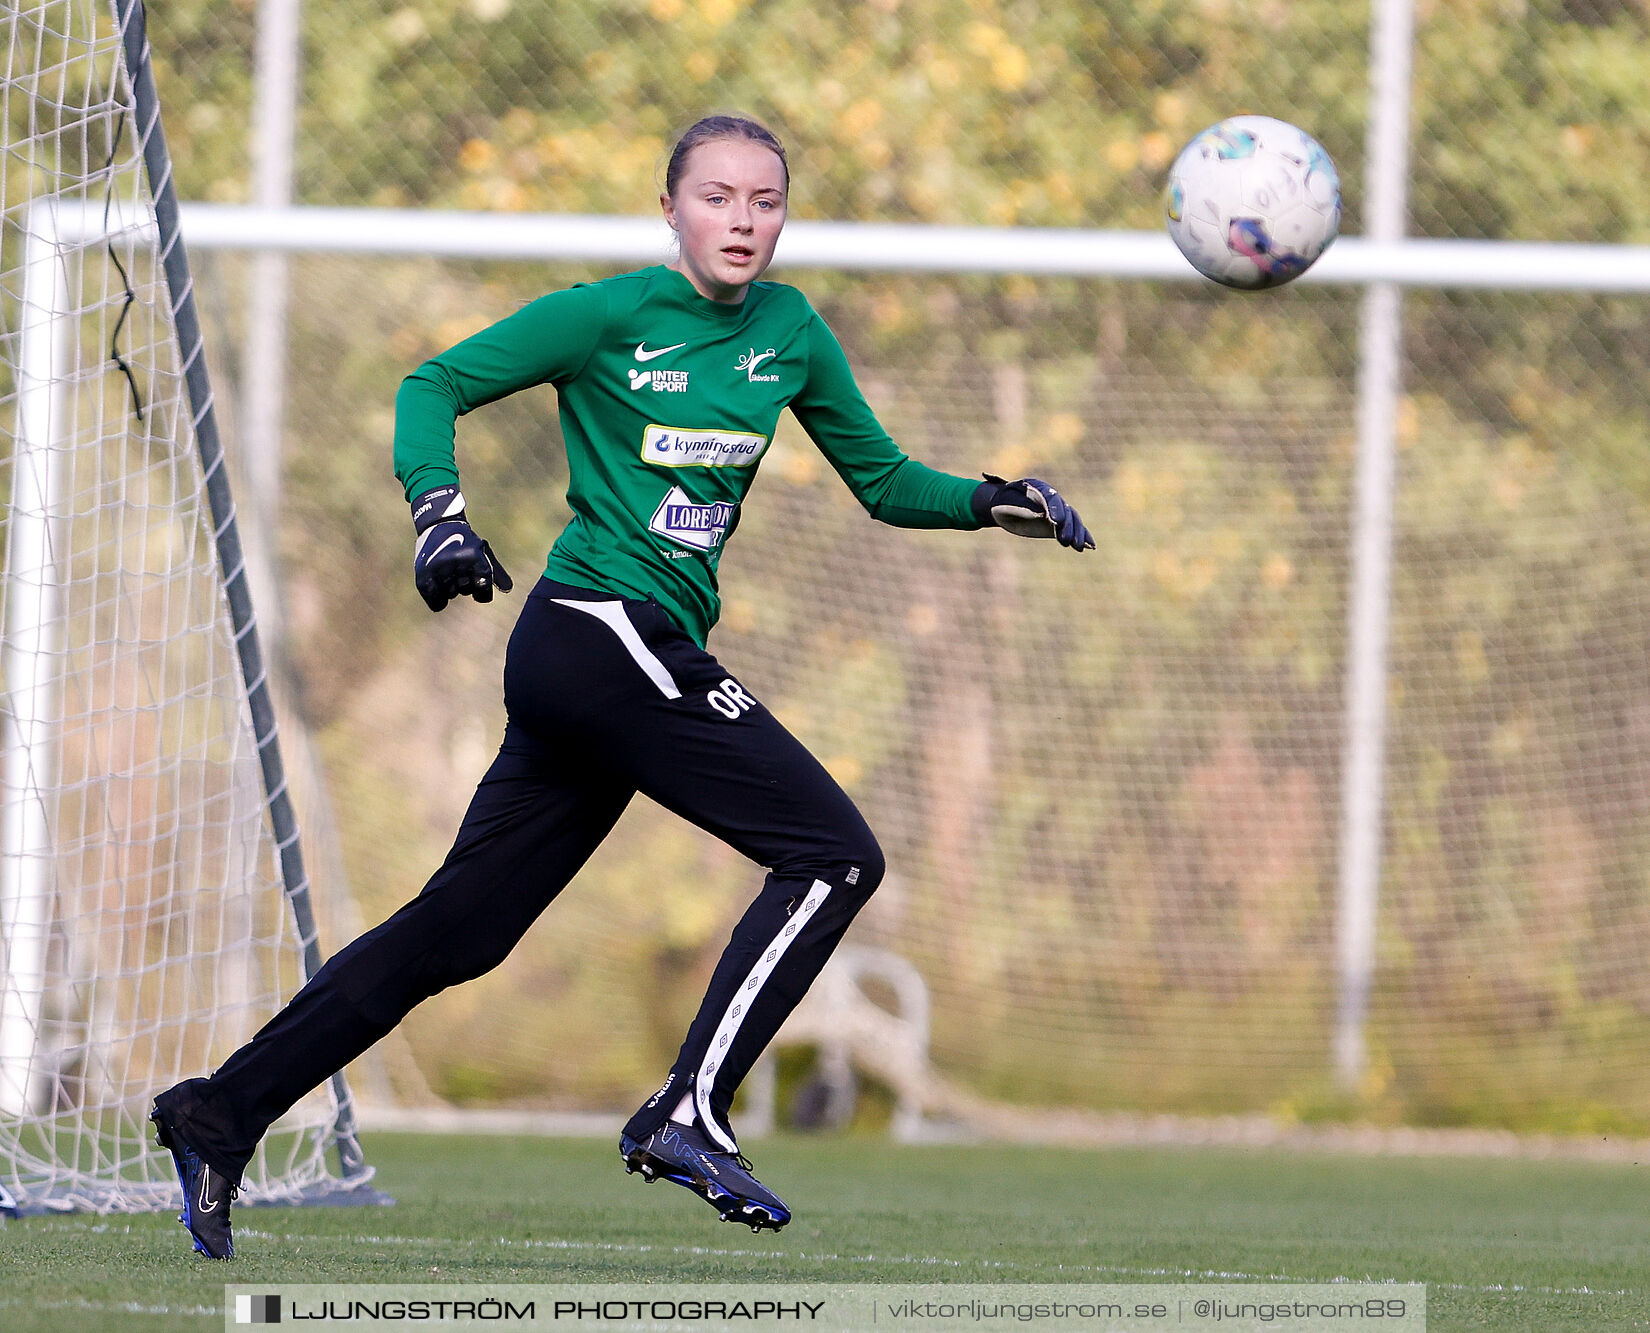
(676,284)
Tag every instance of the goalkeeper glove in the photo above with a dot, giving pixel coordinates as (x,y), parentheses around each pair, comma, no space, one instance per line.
(1031,508)
(449,560)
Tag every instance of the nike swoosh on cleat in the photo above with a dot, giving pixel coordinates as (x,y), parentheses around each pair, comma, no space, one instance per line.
(203,1205)
(642,354)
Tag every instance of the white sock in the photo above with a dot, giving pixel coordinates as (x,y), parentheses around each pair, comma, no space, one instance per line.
(684,1113)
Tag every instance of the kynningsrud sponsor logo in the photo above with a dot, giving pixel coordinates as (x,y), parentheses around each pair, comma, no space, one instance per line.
(669,447)
(685,520)
(660,381)
(751,360)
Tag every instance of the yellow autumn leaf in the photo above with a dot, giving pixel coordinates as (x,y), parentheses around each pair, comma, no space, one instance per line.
(1010,69)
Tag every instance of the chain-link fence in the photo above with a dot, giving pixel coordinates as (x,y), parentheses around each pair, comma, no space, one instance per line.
(1530,119)
(1109,787)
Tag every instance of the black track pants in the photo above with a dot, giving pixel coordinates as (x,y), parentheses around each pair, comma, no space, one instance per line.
(605,697)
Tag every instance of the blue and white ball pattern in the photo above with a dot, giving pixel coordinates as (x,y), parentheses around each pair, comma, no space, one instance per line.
(1252,201)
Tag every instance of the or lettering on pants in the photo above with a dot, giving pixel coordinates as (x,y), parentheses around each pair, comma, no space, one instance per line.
(729,699)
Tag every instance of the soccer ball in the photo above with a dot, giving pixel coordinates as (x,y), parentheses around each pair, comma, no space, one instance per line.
(1253,201)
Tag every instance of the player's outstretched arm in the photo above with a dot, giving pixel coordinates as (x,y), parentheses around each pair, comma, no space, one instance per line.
(449,560)
(1030,508)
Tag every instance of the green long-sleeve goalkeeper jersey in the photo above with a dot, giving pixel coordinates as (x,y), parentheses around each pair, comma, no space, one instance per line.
(668,403)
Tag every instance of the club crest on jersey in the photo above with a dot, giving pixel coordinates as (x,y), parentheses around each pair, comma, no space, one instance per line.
(661,381)
(683,519)
(749,361)
(669,447)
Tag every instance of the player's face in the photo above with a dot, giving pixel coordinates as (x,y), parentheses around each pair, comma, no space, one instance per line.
(727,212)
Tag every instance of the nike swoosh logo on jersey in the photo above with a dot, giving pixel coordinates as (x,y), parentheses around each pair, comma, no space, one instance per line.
(642,354)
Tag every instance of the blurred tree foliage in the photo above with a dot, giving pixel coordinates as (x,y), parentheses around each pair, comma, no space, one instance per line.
(1109,786)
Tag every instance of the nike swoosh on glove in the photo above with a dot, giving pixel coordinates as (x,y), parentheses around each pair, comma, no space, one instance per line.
(1032,508)
(449,559)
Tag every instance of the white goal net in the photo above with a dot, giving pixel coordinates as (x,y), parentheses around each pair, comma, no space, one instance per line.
(144,931)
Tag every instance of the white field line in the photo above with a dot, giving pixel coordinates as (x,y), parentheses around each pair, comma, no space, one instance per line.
(113,1307)
(918,1260)
(914,1260)
(983,1122)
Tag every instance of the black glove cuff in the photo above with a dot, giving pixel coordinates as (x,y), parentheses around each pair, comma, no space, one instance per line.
(441,505)
(984,494)
(980,504)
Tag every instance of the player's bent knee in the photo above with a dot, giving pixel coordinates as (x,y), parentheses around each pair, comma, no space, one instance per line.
(455,971)
(866,867)
(458,960)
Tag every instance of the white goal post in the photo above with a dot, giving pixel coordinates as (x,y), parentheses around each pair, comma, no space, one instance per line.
(904,248)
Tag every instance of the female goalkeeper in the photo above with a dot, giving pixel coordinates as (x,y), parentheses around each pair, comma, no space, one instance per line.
(670,380)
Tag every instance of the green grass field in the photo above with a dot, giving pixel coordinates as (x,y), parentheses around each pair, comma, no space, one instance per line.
(1504,1245)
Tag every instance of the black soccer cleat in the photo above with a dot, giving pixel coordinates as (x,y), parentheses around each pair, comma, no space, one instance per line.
(207,1194)
(683,1154)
